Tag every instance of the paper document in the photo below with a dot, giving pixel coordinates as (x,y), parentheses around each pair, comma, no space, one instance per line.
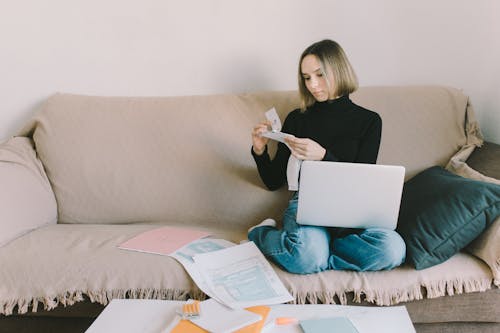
(240,277)
(185,325)
(216,317)
(163,240)
(275,133)
(274,119)
(185,256)
(277,136)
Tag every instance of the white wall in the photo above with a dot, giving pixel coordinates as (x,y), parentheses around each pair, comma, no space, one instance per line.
(172,47)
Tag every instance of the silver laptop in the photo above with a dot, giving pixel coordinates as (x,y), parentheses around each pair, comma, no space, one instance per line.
(349,195)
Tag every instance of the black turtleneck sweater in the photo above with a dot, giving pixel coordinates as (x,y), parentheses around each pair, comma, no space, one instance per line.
(348,132)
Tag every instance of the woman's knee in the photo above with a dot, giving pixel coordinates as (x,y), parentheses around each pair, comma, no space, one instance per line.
(390,246)
(310,251)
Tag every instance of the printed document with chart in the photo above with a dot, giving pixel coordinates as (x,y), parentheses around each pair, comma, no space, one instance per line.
(238,276)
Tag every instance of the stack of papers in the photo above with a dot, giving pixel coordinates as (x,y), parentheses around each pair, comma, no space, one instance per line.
(218,318)
(238,276)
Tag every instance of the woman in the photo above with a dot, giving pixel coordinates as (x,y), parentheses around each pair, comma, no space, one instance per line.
(328,127)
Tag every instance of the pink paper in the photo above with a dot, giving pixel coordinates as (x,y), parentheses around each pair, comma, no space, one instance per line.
(165,240)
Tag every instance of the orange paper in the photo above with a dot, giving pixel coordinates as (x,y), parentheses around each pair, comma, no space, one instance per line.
(256,327)
(185,326)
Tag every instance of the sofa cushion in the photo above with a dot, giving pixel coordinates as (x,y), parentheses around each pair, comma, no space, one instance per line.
(150,159)
(165,159)
(25,193)
(441,213)
(422,125)
(62,263)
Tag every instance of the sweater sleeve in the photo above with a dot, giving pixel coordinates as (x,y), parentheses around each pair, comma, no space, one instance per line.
(370,142)
(330,157)
(272,172)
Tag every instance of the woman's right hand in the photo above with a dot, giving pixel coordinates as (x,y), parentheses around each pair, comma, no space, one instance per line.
(259,142)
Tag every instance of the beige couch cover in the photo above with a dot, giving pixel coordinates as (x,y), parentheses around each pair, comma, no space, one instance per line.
(122,165)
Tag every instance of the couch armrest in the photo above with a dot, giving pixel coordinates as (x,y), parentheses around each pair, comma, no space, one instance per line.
(26,197)
(486,160)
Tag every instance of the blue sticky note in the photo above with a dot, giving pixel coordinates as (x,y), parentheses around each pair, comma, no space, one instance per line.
(332,324)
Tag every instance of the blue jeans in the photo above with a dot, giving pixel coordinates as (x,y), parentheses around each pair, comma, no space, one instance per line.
(304,249)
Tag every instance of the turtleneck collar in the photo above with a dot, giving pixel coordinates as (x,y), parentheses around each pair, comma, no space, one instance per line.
(332,104)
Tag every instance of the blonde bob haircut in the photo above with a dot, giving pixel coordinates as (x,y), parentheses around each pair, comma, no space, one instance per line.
(332,58)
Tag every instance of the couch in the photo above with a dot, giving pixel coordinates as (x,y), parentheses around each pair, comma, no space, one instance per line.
(89,172)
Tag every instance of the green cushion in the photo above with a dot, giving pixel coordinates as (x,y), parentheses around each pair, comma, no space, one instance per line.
(441,213)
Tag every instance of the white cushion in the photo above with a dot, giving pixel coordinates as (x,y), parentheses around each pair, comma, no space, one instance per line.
(27,200)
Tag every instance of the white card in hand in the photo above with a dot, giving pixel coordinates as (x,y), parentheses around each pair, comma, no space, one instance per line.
(278,136)
(273,117)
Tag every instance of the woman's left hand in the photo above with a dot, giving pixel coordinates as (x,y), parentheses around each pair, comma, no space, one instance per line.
(305,149)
